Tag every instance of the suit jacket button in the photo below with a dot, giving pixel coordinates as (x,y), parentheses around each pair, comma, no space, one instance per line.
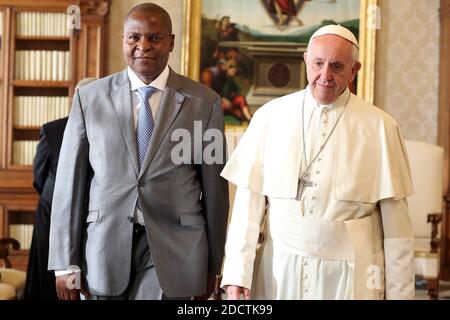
(130,219)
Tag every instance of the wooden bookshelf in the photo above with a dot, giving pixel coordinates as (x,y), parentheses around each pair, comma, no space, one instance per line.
(3,109)
(42,38)
(18,127)
(41,84)
(41,61)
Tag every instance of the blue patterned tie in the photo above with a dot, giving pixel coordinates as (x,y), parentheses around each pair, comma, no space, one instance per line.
(145,125)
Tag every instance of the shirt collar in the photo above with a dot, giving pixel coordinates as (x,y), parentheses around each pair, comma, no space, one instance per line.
(340,102)
(159,83)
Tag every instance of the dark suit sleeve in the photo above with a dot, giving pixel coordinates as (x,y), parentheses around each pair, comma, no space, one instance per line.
(41,162)
(215,201)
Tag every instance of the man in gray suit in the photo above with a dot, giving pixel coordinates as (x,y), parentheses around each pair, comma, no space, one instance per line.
(139,224)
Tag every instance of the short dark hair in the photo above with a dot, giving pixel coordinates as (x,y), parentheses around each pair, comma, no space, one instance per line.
(152,8)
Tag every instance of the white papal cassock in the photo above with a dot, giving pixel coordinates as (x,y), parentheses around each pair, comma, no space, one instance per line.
(350,236)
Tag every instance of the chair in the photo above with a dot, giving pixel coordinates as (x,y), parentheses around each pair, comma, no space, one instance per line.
(12,281)
(425,207)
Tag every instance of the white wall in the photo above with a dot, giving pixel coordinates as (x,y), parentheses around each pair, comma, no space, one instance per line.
(407,65)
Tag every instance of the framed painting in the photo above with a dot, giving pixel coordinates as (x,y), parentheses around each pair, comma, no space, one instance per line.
(251,51)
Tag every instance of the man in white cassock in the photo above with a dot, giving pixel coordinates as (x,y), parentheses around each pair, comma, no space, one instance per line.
(334,172)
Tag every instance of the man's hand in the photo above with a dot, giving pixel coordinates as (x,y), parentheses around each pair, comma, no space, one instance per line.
(64,292)
(210,285)
(234,293)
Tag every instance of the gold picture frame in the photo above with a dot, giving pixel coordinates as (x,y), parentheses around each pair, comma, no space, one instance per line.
(191,45)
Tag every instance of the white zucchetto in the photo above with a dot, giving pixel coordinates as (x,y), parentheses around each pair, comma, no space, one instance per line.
(338,31)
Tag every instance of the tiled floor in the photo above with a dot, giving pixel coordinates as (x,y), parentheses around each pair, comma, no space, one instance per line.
(421,291)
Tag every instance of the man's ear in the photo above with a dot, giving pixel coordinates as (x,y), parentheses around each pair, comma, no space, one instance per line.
(305,56)
(172,39)
(356,67)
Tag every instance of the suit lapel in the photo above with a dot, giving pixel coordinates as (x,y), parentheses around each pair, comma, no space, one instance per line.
(121,97)
(169,108)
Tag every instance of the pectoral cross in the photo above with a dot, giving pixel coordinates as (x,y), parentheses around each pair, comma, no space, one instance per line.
(303,182)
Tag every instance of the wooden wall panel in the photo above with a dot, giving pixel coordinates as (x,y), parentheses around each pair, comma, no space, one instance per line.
(444,128)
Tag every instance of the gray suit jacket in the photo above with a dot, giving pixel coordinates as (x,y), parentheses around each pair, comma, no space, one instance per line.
(185,206)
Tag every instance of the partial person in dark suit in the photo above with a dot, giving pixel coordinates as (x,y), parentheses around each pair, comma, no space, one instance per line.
(40,283)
